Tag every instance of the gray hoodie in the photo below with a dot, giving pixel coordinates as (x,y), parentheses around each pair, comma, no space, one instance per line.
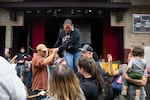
(11,87)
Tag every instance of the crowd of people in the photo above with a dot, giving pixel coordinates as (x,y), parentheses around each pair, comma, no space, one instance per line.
(78,75)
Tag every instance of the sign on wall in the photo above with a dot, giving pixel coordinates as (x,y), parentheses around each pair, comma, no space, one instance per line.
(141,23)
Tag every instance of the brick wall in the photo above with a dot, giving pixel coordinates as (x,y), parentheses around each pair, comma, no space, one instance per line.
(5,18)
(131,38)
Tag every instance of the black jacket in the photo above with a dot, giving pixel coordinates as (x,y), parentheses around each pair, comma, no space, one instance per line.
(89,87)
(72,44)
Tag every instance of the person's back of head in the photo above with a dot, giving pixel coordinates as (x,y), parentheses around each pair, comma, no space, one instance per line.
(64,85)
(138,51)
(91,68)
(87,65)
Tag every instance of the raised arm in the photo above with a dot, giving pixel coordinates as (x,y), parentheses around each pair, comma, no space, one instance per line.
(113,72)
(13,59)
(50,58)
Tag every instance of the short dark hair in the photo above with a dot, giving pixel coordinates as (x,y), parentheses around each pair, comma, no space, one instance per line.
(68,21)
(22,48)
(138,51)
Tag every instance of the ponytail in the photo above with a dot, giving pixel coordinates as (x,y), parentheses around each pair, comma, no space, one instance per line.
(90,67)
(96,74)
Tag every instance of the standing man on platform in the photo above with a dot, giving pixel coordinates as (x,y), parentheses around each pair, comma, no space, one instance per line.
(69,41)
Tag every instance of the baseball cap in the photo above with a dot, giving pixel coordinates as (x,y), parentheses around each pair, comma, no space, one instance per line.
(86,47)
(41,47)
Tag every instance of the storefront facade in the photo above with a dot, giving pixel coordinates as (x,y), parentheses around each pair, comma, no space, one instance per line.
(107,25)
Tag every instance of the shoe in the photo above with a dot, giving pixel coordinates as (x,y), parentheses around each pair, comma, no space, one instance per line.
(117,98)
(122,97)
(137,98)
(124,92)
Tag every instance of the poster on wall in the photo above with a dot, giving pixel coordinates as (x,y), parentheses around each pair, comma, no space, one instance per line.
(141,23)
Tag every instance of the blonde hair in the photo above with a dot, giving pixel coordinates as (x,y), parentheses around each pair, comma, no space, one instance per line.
(131,48)
(64,84)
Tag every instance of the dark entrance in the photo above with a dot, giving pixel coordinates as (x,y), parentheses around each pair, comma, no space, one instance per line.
(2,39)
(51,30)
(19,38)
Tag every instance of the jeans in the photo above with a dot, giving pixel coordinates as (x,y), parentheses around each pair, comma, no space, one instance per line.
(72,59)
(20,69)
(28,81)
(131,93)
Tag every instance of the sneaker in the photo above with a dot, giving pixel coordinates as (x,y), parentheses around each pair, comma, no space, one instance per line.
(124,92)
(122,97)
(137,98)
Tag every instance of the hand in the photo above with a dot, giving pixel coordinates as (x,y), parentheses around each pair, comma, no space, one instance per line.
(126,76)
(109,57)
(55,50)
(21,61)
(42,93)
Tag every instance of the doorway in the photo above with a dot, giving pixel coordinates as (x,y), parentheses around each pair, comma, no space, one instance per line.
(2,39)
(19,38)
(91,30)
(52,26)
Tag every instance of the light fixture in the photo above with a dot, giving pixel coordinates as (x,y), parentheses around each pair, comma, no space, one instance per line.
(49,11)
(79,11)
(99,12)
(86,11)
(55,13)
(28,11)
(38,11)
(59,10)
(90,10)
(72,11)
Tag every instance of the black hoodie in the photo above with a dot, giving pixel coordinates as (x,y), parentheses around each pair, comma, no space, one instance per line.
(69,42)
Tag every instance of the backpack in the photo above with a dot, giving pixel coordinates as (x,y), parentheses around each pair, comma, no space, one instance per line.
(108,91)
